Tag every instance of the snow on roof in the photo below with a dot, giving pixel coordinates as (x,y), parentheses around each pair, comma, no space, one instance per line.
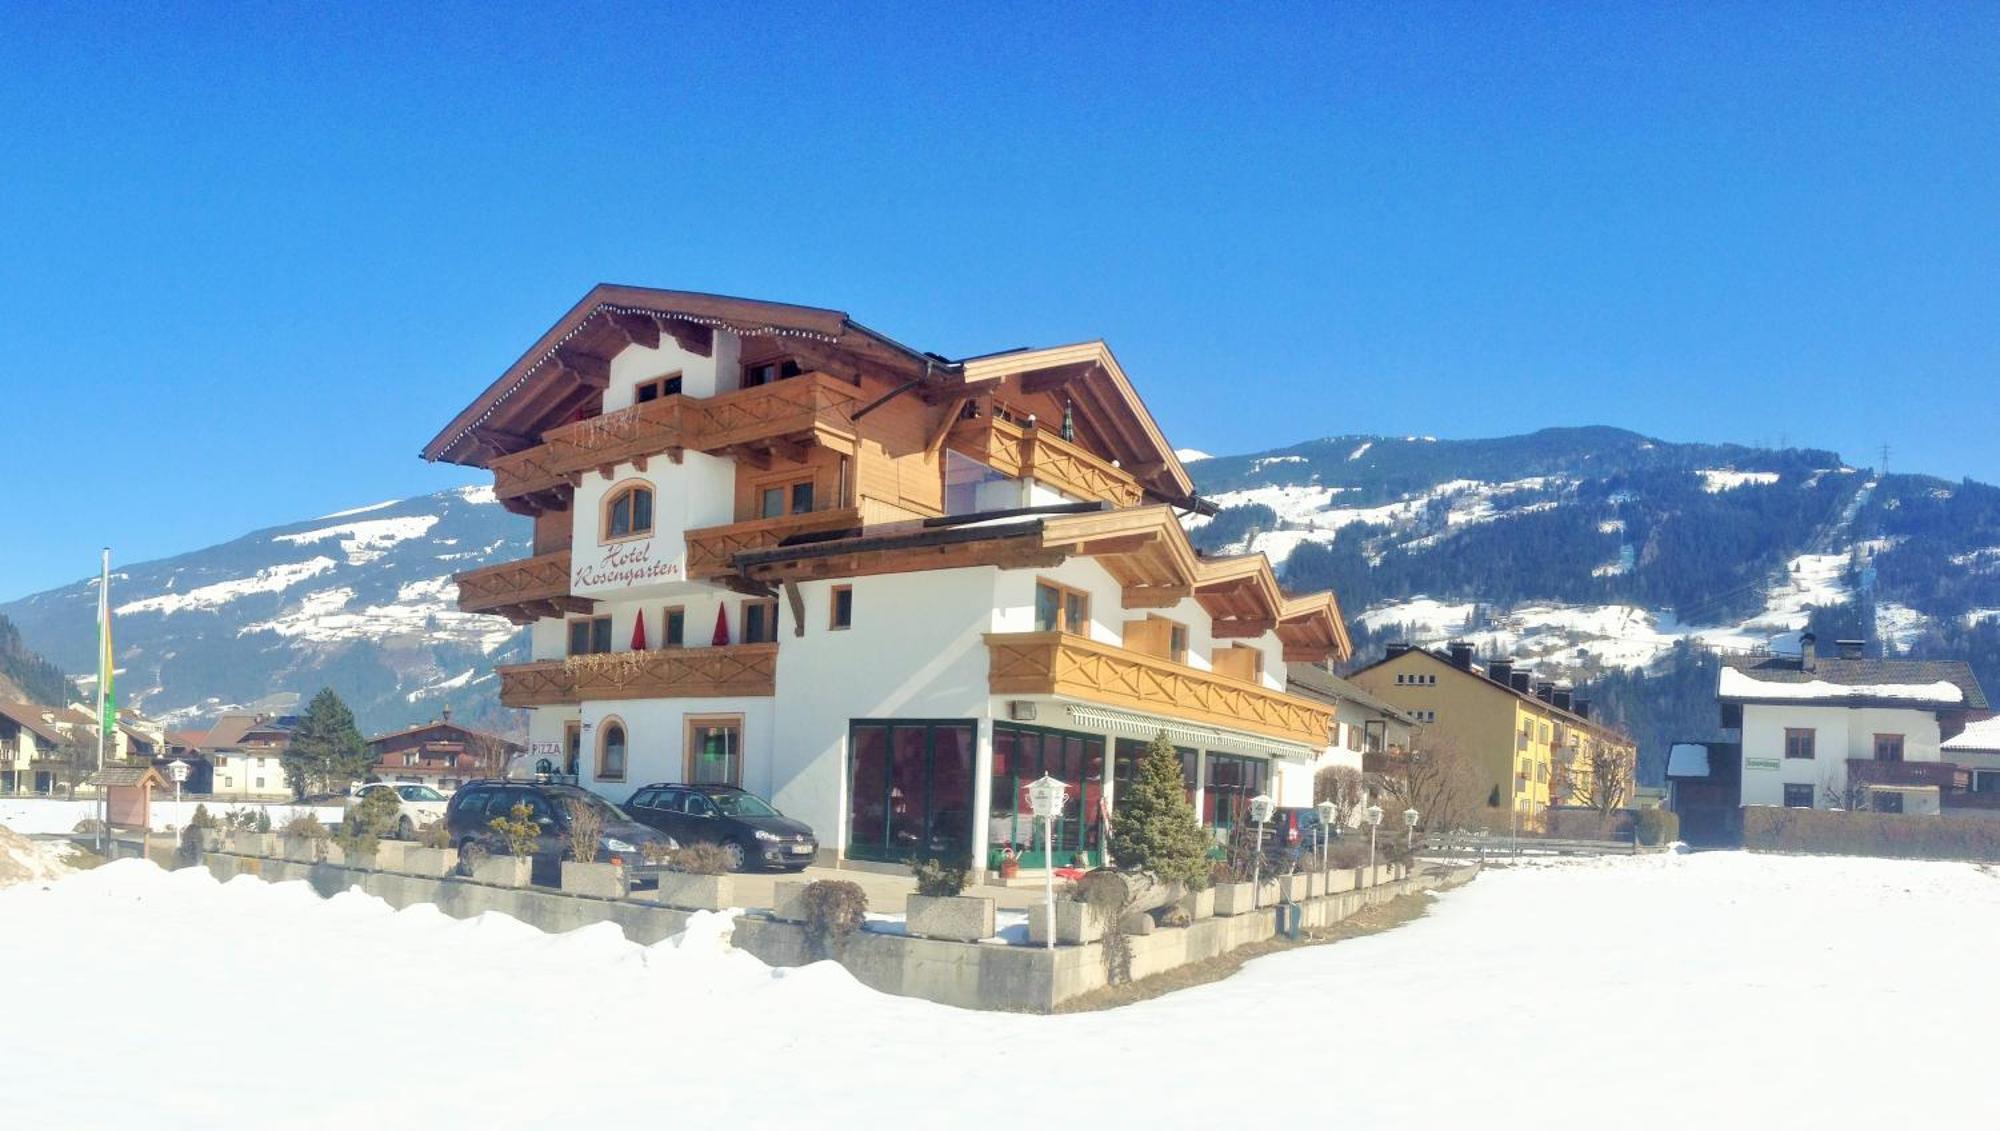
(1191,455)
(1687,760)
(1737,684)
(1981,735)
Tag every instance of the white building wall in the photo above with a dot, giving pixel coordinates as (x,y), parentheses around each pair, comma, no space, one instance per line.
(699,491)
(1840,733)
(655,741)
(700,376)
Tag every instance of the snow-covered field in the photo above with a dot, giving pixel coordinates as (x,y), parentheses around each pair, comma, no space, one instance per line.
(1719,990)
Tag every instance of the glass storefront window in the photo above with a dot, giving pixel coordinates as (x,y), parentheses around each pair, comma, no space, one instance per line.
(909,789)
(1022,754)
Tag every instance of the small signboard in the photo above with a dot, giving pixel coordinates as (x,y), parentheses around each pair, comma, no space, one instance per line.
(1760,763)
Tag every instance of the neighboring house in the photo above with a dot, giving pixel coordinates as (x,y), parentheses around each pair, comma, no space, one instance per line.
(1533,742)
(440,753)
(1975,751)
(29,738)
(1704,787)
(884,589)
(1843,731)
(1368,734)
(246,752)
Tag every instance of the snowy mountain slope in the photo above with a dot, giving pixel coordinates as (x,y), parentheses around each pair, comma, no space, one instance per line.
(361,600)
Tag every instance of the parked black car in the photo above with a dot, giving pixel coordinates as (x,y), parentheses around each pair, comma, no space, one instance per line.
(620,838)
(743,824)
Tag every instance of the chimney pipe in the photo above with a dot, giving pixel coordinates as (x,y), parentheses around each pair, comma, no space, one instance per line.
(1501,671)
(1461,655)
(1563,701)
(1520,680)
(1806,642)
(1396,649)
(1581,707)
(1545,691)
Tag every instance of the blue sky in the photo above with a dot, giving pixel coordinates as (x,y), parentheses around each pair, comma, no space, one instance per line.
(252,258)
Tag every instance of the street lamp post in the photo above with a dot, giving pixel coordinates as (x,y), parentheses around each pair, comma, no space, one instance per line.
(1374,816)
(1327,812)
(1046,796)
(177,770)
(1410,824)
(1261,807)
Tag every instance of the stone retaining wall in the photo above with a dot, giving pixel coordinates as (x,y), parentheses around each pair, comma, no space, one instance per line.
(982,975)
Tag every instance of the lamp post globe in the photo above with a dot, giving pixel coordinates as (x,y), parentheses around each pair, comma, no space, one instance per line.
(1327,812)
(1046,796)
(1410,826)
(1374,816)
(1261,808)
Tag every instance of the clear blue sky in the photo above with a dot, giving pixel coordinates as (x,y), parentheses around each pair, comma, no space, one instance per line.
(251,259)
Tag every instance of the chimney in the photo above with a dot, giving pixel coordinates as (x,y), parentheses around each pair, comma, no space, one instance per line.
(447,714)
(1397,649)
(1520,680)
(1545,691)
(1849,649)
(1500,671)
(1461,655)
(1581,707)
(1563,701)
(1806,641)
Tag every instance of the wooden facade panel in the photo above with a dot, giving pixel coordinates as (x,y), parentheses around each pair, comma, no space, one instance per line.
(710,549)
(666,673)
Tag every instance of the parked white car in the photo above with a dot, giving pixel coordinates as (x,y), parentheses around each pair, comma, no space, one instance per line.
(419,805)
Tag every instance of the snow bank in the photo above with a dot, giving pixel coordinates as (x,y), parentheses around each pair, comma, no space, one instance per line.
(1736,684)
(1718,936)
(24,861)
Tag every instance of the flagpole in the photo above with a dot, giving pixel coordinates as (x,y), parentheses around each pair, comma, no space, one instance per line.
(103,690)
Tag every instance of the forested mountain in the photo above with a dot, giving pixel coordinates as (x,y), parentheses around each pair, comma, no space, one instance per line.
(361,601)
(24,675)
(1618,560)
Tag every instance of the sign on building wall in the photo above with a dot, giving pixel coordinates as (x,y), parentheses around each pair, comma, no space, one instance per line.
(625,566)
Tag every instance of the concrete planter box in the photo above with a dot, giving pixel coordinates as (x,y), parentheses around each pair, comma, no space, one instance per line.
(505,871)
(787,900)
(690,892)
(389,855)
(1235,899)
(1267,893)
(1295,888)
(1199,904)
(254,844)
(1340,881)
(331,853)
(1074,924)
(415,861)
(210,839)
(600,881)
(1137,923)
(301,849)
(963,918)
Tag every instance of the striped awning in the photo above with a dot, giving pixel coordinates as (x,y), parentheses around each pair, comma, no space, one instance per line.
(1188,734)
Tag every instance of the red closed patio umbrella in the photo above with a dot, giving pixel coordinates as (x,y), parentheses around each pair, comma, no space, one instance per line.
(639,632)
(721,636)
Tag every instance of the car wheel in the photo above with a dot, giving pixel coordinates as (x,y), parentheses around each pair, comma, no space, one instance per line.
(734,852)
(406,829)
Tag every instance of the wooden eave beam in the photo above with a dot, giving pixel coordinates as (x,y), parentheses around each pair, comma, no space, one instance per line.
(1237,628)
(639,329)
(945,424)
(588,368)
(694,337)
(1155,596)
(501,442)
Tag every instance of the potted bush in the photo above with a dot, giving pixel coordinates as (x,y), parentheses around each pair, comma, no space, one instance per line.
(582,873)
(250,833)
(833,910)
(518,833)
(364,826)
(939,909)
(432,855)
(1008,862)
(305,839)
(697,878)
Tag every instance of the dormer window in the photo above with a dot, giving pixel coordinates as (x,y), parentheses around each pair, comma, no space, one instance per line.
(628,512)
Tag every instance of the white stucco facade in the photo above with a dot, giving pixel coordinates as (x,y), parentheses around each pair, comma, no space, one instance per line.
(1839,733)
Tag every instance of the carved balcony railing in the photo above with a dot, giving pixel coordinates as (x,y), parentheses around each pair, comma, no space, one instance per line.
(1046,457)
(664,673)
(522,590)
(810,408)
(710,548)
(1055,663)
(1868,771)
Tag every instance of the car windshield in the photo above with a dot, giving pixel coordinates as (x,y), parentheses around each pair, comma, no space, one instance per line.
(742,805)
(605,810)
(420,793)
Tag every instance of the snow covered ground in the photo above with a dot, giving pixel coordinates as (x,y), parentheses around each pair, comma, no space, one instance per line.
(1718,990)
(31,816)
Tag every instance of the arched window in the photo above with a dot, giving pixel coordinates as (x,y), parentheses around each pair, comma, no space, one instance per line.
(628,512)
(611,750)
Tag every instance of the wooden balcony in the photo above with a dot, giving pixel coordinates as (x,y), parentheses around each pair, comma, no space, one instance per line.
(750,423)
(1056,663)
(1046,457)
(1868,771)
(523,590)
(665,673)
(710,548)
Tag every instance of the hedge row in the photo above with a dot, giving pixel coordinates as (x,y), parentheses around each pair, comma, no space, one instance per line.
(1771,829)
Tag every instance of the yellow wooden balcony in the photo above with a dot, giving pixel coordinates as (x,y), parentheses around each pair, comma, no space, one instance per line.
(710,548)
(521,590)
(1038,453)
(810,408)
(663,673)
(1056,663)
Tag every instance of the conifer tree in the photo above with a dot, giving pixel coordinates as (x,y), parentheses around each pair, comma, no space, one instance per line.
(326,748)
(1155,828)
